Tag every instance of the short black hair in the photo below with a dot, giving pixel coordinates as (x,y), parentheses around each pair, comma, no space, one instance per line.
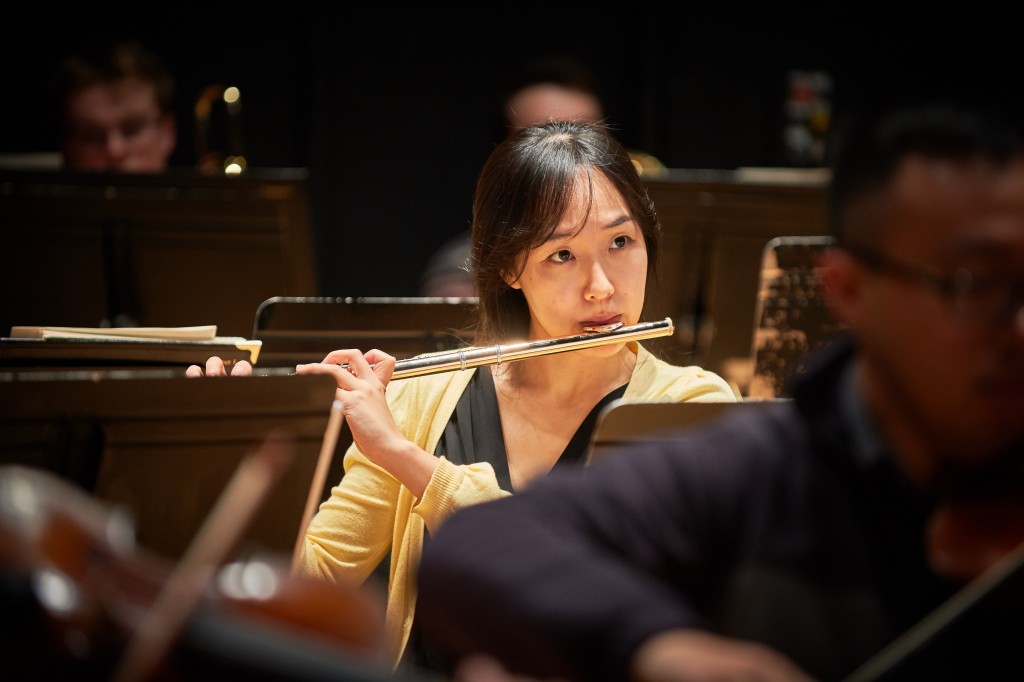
(567,70)
(872,145)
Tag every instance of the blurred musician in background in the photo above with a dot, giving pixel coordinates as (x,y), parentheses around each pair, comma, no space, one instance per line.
(563,235)
(800,539)
(116,110)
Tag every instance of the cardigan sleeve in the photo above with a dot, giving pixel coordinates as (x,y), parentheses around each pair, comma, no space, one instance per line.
(352,531)
(453,487)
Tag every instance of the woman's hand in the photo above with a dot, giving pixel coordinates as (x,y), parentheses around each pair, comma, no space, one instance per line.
(215,368)
(362,380)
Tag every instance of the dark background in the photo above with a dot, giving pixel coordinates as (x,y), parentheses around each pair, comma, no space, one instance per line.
(393,110)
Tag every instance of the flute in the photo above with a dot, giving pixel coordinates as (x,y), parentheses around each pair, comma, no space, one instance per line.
(465,358)
(478,356)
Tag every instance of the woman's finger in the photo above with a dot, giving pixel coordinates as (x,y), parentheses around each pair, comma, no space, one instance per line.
(383,364)
(350,358)
(242,368)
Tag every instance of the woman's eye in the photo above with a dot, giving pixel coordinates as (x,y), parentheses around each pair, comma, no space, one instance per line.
(561,256)
(621,242)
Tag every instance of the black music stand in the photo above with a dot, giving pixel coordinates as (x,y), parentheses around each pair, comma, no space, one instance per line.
(622,422)
(295,330)
(171,249)
(164,446)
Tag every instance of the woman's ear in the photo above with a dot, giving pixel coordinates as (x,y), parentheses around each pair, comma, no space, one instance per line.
(511,280)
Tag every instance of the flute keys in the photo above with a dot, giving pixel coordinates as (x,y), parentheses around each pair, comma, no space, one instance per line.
(602,329)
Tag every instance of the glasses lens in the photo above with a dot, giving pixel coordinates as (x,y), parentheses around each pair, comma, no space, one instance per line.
(986,300)
(130,131)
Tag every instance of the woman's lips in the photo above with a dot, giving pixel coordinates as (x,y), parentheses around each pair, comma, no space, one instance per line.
(602,322)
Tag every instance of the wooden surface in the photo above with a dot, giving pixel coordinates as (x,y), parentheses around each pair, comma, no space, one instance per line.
(42,355)
(163,446)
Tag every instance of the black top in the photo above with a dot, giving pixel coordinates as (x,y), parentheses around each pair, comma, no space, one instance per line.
(474,433)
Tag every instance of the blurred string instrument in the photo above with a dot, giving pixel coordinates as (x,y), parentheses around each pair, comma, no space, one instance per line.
(82,601)
(975,536)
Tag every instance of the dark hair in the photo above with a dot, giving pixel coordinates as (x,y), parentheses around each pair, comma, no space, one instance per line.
(872,146)
(112,62)
(526,186)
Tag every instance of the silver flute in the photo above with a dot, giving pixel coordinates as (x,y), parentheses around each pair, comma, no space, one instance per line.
(478,356)
(466,358)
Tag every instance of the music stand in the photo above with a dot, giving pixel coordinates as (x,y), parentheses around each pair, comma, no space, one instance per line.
(163,446)
(171,249)
(792,317)
(623,422)
(295,330)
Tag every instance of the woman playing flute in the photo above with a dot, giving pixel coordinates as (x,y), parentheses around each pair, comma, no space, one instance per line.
(563,235)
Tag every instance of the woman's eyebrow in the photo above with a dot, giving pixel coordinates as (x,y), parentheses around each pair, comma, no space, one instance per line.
(622,218)
(561,235)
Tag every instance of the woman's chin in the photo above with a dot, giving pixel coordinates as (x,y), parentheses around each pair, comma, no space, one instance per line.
(602,352)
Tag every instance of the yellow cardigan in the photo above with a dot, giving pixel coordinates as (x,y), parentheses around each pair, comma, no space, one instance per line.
(370,513)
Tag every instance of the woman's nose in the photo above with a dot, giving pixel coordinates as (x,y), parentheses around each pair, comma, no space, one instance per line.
(599,284)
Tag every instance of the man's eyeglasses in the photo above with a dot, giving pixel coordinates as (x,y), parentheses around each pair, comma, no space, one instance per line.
(131,131)
(980,299)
